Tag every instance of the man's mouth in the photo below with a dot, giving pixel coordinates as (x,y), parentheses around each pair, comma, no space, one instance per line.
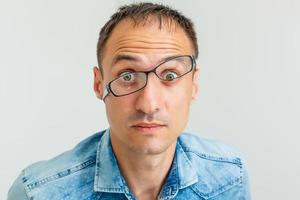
(148,127)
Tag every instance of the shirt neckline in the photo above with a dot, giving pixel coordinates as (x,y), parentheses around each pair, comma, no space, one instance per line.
(108,177)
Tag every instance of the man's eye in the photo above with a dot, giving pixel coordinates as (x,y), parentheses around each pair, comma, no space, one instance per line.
(169,76)
(127,76)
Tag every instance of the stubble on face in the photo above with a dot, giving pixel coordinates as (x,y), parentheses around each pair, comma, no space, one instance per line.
(150,44)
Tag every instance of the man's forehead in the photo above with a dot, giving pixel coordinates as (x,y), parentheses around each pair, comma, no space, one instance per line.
(128,38)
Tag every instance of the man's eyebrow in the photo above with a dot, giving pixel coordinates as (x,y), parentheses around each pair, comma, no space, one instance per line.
(127,57)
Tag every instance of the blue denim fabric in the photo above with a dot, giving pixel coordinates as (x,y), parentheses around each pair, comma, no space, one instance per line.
(202,169)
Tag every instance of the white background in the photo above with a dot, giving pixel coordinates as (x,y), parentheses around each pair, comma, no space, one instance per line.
(249,98)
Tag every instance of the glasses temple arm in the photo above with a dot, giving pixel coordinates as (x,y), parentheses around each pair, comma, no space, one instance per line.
(105,92)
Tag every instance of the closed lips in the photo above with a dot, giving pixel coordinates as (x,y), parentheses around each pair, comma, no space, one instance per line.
(143,125)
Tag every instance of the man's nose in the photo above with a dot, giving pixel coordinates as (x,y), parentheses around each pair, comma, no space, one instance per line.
(149,99)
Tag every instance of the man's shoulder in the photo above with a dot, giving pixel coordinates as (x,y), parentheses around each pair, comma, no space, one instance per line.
(210,149)
(220,167)
(82,154)
(81,157)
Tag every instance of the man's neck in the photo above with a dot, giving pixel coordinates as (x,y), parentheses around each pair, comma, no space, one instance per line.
(145,174)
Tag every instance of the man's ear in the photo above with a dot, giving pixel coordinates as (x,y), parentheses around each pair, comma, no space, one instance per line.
(98,82)
(195,90)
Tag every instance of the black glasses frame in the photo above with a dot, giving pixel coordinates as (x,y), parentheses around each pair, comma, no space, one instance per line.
(108,86)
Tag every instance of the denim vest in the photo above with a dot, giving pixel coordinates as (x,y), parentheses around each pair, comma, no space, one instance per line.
(201,169)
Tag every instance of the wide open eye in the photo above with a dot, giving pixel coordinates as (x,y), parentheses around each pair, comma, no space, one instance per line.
(127,77)
(174,68)
(170,75)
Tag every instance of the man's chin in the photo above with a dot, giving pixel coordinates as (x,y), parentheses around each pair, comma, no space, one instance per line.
(148,150)
(151,146)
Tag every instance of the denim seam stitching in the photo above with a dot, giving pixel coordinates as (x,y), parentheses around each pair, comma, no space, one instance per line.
(218,191)
(235,160)
(61,174)
(241,180)
(27,192)
(111,190)
(96,184)
(186,184)
(188,161)
(99,197)
(197,192)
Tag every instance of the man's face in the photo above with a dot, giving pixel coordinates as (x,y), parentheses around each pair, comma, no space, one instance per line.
(150,120)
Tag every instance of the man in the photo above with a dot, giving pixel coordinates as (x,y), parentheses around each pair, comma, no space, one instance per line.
(147,78)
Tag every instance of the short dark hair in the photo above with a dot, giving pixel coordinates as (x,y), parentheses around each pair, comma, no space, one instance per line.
(139,12)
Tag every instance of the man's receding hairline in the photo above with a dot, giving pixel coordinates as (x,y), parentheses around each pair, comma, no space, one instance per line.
(151,19)
(144,13)
(169,23)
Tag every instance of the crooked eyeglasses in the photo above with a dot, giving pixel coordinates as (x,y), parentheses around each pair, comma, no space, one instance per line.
(129,82)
